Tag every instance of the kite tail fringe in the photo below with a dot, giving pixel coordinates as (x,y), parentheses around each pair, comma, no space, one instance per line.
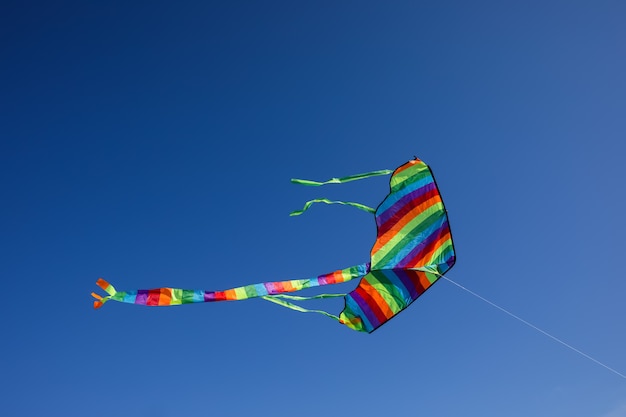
(108,288)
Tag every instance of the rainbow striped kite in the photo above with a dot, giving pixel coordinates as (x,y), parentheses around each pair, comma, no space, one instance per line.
(413,249)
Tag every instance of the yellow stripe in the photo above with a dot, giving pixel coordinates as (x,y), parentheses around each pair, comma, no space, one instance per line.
(240,293)
(177,296)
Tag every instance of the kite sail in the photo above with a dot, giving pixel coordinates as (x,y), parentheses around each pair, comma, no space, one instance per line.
(413,249)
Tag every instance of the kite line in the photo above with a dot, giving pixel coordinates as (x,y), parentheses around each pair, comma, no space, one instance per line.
(532,326)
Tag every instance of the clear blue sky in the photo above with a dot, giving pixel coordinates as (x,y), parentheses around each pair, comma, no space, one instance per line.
(152,143)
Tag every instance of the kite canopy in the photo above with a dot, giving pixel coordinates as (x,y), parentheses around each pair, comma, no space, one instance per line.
(413,249)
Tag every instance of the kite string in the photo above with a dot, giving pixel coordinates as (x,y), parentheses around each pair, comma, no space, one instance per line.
(556,339)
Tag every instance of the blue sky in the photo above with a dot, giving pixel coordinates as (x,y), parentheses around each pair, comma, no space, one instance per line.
(152,143)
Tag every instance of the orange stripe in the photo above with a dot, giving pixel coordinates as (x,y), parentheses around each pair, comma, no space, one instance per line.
(102,284)
(345,276)
(380,301)
(385,238)
(230,295)
(165,297)
(96,296)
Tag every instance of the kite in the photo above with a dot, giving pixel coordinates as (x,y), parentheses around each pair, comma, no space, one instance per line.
(413,249)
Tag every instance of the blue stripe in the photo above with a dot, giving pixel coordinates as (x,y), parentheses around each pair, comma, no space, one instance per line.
(260,290)
(130,297)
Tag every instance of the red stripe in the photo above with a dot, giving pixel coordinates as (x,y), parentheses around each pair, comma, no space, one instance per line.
(415,279)
(220,296)
(371,304)
(153,297)
(335,278)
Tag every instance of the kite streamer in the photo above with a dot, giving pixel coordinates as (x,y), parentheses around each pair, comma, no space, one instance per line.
(413,249)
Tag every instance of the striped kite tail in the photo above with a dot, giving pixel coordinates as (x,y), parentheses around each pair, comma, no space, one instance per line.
(265,290)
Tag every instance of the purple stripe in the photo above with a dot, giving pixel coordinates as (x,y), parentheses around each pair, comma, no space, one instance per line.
(209,296)
(271,289)
(142,297)
(433,237)
(383,217)
(403,275)
(365,308)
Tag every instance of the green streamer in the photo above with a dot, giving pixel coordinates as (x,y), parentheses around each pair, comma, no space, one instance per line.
(295,307)
(342,179)
(301,298)
(327,201)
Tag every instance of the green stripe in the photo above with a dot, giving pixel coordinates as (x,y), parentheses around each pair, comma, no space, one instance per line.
(414,173)
(187,297)
(118,296)
(177,296)
(250,291)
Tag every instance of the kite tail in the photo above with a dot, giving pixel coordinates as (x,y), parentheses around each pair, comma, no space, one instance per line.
(338,181)
(266,290)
